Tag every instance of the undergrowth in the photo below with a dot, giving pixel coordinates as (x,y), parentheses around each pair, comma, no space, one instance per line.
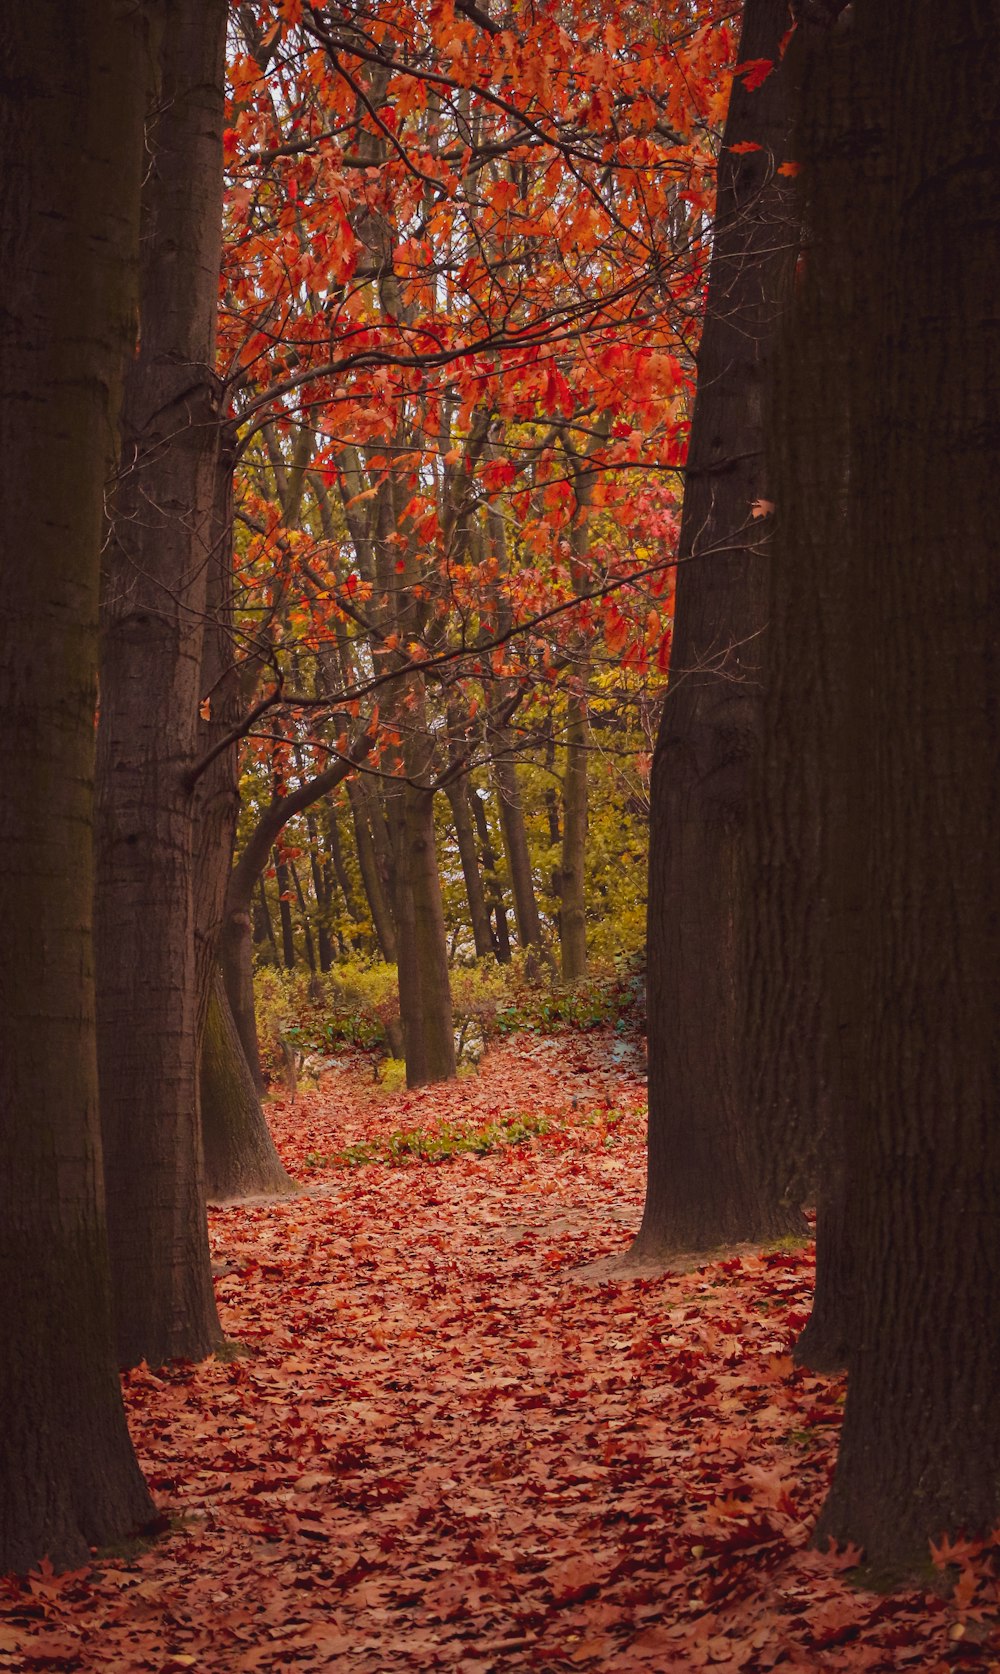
(449,1139)
(354,1005)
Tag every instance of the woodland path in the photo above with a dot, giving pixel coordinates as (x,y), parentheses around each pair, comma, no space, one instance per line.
(444,1449)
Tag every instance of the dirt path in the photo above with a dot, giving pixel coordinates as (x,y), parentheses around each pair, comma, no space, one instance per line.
(443,1451)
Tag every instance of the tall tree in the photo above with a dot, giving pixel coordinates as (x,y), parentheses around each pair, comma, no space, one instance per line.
(71,153)
(920,1450)
(163,529)
(708,1182)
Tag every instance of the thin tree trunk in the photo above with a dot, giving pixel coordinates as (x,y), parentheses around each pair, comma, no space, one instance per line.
(378,898)
(71,129)
(494,892)
(707,1180)
(457,791)
(162,531)
(285,912)
(573,857)
(515,843)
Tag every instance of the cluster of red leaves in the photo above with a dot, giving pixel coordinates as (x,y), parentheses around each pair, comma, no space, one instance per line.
(445,1448)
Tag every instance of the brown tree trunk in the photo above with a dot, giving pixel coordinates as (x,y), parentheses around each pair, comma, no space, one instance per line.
(71,132)
(378,897)
(424,988)
(515,843)
(285,912)
(706,1183)
(494,892)
(920,1449)
(806,843)
(153,611)
(573,855)
(457,791)
(240,1158)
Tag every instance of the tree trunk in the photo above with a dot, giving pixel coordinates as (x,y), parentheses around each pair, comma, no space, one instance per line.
(494,892)
(378,898)
(236,963)
(71,133)
(424,987)
(240,1158)
(457,791)
(807,831)
(573,857)
(153,611)
(515,843)
(285,912)
(920,1449)
(706,1186)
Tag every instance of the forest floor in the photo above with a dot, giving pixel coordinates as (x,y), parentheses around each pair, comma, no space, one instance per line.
(444,1447)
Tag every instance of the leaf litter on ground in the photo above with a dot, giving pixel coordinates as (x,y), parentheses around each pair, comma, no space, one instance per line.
(443,1448)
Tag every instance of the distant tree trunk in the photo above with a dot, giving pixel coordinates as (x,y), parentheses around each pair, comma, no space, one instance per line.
(307,935)
(573,858)
(240,1158)
(71,135)
(153,611)
(920,1447)
(707,1182)
(378,898)
(494,892)
(285,912)
(424,987)
(515,842)
(262,928)
(457,791)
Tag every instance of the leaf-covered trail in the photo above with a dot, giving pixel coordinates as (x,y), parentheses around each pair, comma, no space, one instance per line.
(446,1450)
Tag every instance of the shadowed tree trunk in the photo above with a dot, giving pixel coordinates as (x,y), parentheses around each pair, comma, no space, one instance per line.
(807,833)
(920,1447)
(708,1183)
(162,531)
(240,1158)
(71,154)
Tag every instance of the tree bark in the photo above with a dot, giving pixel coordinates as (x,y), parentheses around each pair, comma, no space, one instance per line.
(424,987)
(71,135)
(920,1448)
(240,1158)
(494,892)
(153,611)
(573,855)
(515,843)
(706,1183)
(457,791)
(371,876)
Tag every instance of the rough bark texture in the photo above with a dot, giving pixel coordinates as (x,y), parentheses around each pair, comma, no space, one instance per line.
(705,1185)
(240,1158)
(158,558)
(70,161)
(808,828)
(920,1450)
